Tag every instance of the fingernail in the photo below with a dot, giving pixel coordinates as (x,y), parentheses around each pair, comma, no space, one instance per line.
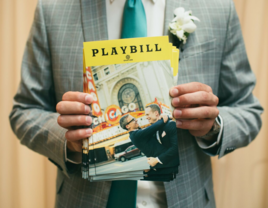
(88,99)
(88,120)
(178,123)
(87,109)
(176,101)
(88,131)
(175,92)
(177,113)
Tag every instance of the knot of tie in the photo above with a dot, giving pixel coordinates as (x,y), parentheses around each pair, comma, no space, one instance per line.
(134,22)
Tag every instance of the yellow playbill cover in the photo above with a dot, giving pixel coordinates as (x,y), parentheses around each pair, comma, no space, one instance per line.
(134,134)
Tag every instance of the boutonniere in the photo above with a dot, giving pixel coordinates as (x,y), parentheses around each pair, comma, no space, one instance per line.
(182,25)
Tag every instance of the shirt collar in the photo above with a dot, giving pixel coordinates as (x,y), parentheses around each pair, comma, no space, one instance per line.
(111,1)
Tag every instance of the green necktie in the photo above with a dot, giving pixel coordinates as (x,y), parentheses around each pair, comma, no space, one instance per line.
(134,23)
(123,194)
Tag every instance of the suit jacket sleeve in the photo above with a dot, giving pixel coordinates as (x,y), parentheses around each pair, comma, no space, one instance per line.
(239,109)
(148,131)
(33,118)
(172,152)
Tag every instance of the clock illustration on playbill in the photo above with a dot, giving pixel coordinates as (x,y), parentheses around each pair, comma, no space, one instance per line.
(129,94)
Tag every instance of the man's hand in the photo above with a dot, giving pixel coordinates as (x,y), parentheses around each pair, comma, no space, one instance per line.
(152,161)
(195,107)
(164,117)
(74,110)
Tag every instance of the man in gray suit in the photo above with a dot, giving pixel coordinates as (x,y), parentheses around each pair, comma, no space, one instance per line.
(214,79)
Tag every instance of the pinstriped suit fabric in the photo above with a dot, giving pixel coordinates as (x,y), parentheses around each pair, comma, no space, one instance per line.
(52,65)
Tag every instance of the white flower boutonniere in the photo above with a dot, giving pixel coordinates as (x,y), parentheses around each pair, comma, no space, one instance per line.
(183,24)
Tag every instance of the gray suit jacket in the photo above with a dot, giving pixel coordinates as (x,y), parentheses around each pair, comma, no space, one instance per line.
(52,65)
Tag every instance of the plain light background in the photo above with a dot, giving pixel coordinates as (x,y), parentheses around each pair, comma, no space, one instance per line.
(27,179)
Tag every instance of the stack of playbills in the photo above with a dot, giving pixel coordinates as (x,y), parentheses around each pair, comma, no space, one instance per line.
(134,134)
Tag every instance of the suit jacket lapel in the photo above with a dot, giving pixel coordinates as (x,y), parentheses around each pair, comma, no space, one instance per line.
(160,135)
(94,20)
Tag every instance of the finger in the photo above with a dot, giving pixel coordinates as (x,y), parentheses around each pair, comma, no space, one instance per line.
(67,121)
(200,97)
(78,96)
(194,113)
(74,135)
(189,88)
(197,124)
(72,108)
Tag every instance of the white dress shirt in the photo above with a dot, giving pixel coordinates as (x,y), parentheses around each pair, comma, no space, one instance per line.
(155,15)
